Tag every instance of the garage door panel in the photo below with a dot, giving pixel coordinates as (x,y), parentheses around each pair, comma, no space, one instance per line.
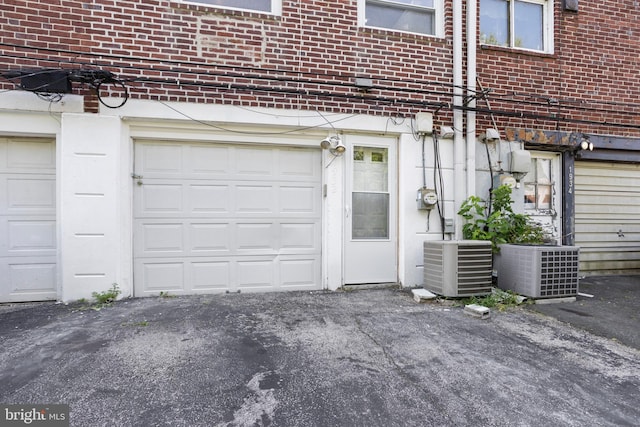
(299,274)
(299,236)
(255,273)
(299,199)
(210,275)
(596,253)
(163,238)
(256,199)
(208,161)
(256,237)
(159,159)
(297,165)
(28,234)
(33,277)
(31,236)
(161,198)
(253,162)
(28,279)
(27,193)
(210,199)
(25,156)
(607,218)
(235,217)
(160,275)
(210,237)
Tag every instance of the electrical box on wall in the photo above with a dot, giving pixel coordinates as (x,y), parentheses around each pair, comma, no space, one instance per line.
(520,161)
(449,226)
(427,198)
(424,123)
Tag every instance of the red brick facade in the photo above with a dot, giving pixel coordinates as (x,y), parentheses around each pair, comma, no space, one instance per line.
(592,78)
(309,57)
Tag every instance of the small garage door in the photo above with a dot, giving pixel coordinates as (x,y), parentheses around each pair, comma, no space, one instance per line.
(27,220)
(212,218)
(607,219)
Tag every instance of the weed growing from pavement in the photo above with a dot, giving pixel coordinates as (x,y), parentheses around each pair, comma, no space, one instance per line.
(498,299)
(106,298)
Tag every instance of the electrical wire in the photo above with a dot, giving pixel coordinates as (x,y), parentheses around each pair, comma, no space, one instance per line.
(245,132)
(438,182)
(379,99)
(359,97)
(502,97)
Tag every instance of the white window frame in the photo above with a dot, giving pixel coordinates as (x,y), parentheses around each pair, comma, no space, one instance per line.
(547,25)
(439,17)
(276,6)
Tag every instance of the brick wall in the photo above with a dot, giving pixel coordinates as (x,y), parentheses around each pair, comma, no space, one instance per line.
(307,58)
(593,76)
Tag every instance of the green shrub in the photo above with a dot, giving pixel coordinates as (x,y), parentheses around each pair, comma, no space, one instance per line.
(501,225)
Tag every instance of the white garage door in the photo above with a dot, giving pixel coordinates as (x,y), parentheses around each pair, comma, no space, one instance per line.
(211,218)
(27,220)
(607,219)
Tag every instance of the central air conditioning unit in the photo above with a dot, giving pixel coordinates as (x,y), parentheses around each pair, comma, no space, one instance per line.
(458,268)
(539,271)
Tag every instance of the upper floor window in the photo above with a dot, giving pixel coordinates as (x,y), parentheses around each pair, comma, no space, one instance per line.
(267,6)
(524,24)
(411,16)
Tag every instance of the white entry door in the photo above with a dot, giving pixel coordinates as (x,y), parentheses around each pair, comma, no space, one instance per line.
(27,220)
(211,218)
(371,206)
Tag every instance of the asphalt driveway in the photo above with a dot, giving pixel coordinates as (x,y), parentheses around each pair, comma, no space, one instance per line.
(362,358)
(608,306)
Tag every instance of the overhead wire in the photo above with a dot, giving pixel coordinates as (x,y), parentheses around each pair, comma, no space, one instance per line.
(502,97)
(350,96)
(247,132)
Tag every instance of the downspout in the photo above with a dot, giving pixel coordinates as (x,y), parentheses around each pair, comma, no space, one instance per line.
(472,11)
(458,125)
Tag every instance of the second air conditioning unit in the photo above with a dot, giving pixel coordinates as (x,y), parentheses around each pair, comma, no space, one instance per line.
(458,268)
(539,271)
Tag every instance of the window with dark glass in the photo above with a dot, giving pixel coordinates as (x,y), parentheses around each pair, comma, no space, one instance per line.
(516,23)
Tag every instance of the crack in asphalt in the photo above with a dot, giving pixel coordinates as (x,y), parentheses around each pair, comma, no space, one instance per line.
(405,375)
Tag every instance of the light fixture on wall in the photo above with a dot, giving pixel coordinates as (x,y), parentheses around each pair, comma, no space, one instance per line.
(586,145)
(491,135)
(334,144)
(446,132)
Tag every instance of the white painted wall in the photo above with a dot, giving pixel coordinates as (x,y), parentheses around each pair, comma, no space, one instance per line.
(418,226)
(147,119)
(94,166)
(89,211)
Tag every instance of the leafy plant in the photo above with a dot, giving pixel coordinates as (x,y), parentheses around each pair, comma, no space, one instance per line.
(498,299)
(106,298)
(500,224)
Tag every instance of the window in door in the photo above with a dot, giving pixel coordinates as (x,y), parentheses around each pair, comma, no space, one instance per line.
(523,24)
(370,195)
(538,186)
